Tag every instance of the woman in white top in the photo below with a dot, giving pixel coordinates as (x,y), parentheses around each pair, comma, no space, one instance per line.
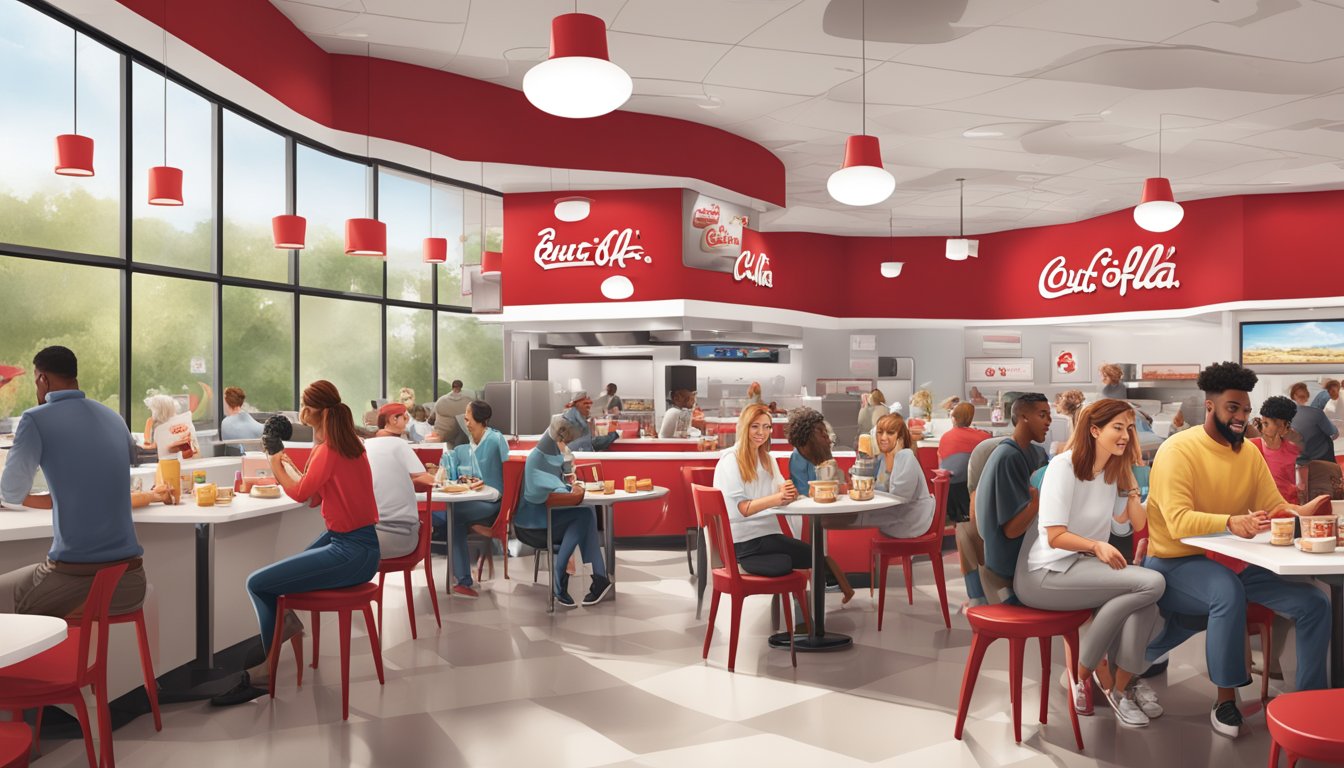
(1067,564)
(752,484)
(900,477)
(1067,404)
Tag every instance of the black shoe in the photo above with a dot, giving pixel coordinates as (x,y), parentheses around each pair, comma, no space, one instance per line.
(562,592)
(1226,718)
(439,533)
(599,591)
(241,693)
(1154,669)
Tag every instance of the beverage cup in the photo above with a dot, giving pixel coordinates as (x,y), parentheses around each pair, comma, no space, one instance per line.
(1281,531)
(608,486)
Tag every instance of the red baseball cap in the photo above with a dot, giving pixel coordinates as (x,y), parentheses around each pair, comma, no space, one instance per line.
(392,409)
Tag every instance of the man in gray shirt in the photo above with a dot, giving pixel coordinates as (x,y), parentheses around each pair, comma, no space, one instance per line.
(1006,504)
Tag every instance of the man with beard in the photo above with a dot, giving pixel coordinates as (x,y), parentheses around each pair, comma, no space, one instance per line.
(1206,481)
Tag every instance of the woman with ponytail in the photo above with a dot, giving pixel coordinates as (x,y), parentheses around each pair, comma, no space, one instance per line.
(338,480)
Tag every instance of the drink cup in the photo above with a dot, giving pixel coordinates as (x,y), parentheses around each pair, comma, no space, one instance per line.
(1281,531)
(608,486)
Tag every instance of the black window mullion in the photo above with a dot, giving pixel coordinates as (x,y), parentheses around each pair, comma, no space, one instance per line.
(124,218)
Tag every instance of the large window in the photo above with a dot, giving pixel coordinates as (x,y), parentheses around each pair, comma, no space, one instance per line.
(172,345)
(37,207)
(254,191)
(258,349)
(331,190)
(410,352)
(404,206)
(174,236)
(341,341)
(46,303)
(469,350)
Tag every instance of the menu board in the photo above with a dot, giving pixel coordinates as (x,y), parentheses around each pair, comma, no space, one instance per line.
(711,231)
(1000,369)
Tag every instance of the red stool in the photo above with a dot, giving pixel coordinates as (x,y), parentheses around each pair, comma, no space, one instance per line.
(1017,624)
(137,617)
(1260,620)
(344,601)
(1306,724)
(15,741)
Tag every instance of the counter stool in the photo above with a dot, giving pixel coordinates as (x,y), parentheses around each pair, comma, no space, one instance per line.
(343,601)
(1017,624)
(15,741)
(1306,724)
(137,617)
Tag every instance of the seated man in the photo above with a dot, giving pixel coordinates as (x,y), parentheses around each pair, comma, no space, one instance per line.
(396,469)
(811,440)
(237,424)
(84,451)
(1005,502)
(1204,481)
(577,412)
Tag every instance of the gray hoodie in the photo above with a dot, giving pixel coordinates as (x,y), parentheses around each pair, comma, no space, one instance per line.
(446,411)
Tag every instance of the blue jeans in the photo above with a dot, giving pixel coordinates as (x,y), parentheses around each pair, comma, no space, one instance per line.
(1197,587)
(574,528)
(465,515)
(334,560)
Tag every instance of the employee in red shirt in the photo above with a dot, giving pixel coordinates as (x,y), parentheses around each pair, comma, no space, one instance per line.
(338,480)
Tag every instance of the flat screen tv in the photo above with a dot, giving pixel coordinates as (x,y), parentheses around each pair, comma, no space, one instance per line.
(737,352)
(1292,342)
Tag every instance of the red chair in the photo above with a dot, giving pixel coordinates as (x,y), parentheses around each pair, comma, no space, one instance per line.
(407,563)
(58,675)
(1017,624)
(692,476)
(930,543)
(928,461)
(588,471)
(1260,620)
(344,601)
(137,617)
(513,486)
(15,741)
(1306,724)
(711,510)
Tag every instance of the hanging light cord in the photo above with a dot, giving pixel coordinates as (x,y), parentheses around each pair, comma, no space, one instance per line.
(75,84)
(165,82)
(961,210)
(368,97)
(863,65)
(1159,144)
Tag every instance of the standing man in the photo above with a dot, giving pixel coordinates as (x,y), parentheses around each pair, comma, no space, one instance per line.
(1206,481)
(84,450)
(1318,435)
(1005,501)
(446,411)
(610,404)
(577,413)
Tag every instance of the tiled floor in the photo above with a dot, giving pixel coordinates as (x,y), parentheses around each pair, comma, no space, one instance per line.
(504,684)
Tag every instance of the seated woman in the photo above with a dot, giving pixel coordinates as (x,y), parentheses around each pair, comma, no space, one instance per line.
(339,481)
(752,484)
(899,476)
(1084,489)
(572,526)
(479,461)
(1280,444)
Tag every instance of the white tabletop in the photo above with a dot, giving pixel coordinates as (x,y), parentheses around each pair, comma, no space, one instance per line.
(16,525)
(485,493)
(607,499)
(23,636)
(842,505)
(1285,561)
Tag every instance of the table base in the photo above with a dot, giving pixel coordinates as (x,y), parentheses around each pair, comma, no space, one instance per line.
(831,641)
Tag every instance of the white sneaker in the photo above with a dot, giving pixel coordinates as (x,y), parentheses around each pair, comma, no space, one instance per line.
(1082,703)
(1226,719)
(1127,710)
(1146,698)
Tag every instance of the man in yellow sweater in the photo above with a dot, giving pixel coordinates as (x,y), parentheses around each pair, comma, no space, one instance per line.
(1207,482)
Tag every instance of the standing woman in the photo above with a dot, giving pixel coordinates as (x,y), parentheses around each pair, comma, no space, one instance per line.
(1084,489)
(338,480)
(481,461)
(874,410)
(752,484)
(1110,382)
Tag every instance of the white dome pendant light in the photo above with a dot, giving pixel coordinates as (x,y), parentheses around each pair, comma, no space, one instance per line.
(862,180)
(578,80)
(1158,210)
(959,248)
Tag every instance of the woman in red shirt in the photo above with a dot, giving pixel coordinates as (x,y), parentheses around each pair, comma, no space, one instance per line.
(338,480)
(1279,444)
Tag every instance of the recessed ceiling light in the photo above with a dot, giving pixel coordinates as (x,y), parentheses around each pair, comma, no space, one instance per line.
(981,133)
(352,34)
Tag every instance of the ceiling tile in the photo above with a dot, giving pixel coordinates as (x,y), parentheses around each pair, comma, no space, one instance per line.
(316,19)
(406,33)
(454,11)
(1303,32)
(651,56)
(804,74)
(709,20)
(1006,51)
(1144,20)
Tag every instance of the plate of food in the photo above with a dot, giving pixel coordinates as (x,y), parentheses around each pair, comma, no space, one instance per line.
(597,487)
(265,491)
(453,488)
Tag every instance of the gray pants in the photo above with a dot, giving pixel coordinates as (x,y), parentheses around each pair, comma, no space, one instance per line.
(1126,601)
(396,540)
(42,589)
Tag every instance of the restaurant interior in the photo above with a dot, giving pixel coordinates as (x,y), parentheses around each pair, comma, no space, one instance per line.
(614,237)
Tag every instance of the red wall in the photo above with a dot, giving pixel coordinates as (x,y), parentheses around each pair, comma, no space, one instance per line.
(1226,250)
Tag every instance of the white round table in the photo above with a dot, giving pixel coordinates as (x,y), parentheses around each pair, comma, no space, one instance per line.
(485,493)
(608,501)
(23,636)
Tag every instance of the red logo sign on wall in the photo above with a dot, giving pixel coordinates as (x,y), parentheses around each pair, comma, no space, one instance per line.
(1065,363)
(1141,270)
(610,251)
(754,268)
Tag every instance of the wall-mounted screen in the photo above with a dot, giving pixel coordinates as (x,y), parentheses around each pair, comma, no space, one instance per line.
(1292,342)
(738,352)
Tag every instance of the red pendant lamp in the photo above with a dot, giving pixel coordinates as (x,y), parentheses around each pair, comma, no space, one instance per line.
(74,153)
(165,181)
(434,249)
(289,232)
(862,180)
(492,265)
(1158,210)
(578,79)
(366,237)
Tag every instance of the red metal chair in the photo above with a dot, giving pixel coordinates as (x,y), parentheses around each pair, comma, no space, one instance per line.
(1306,724)
(928,461)
(15,741)
(499,531)
(407,563)
(1260,620)
(137,617)
(588,471)
(59,675)
(711,510)
(930,543)
(1017,624)
(344,601)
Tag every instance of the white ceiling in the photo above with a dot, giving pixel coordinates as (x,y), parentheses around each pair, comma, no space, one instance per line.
(1252,91)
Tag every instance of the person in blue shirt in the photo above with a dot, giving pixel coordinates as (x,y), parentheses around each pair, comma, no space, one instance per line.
(811,440)
(1329,391)
(237,424)
(577,410)
(481,458)
(1005,503)
(85,452)
(572,526)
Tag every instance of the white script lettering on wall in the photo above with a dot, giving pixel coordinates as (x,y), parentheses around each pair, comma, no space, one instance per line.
(610,251)
(1139,271)
(754,268)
